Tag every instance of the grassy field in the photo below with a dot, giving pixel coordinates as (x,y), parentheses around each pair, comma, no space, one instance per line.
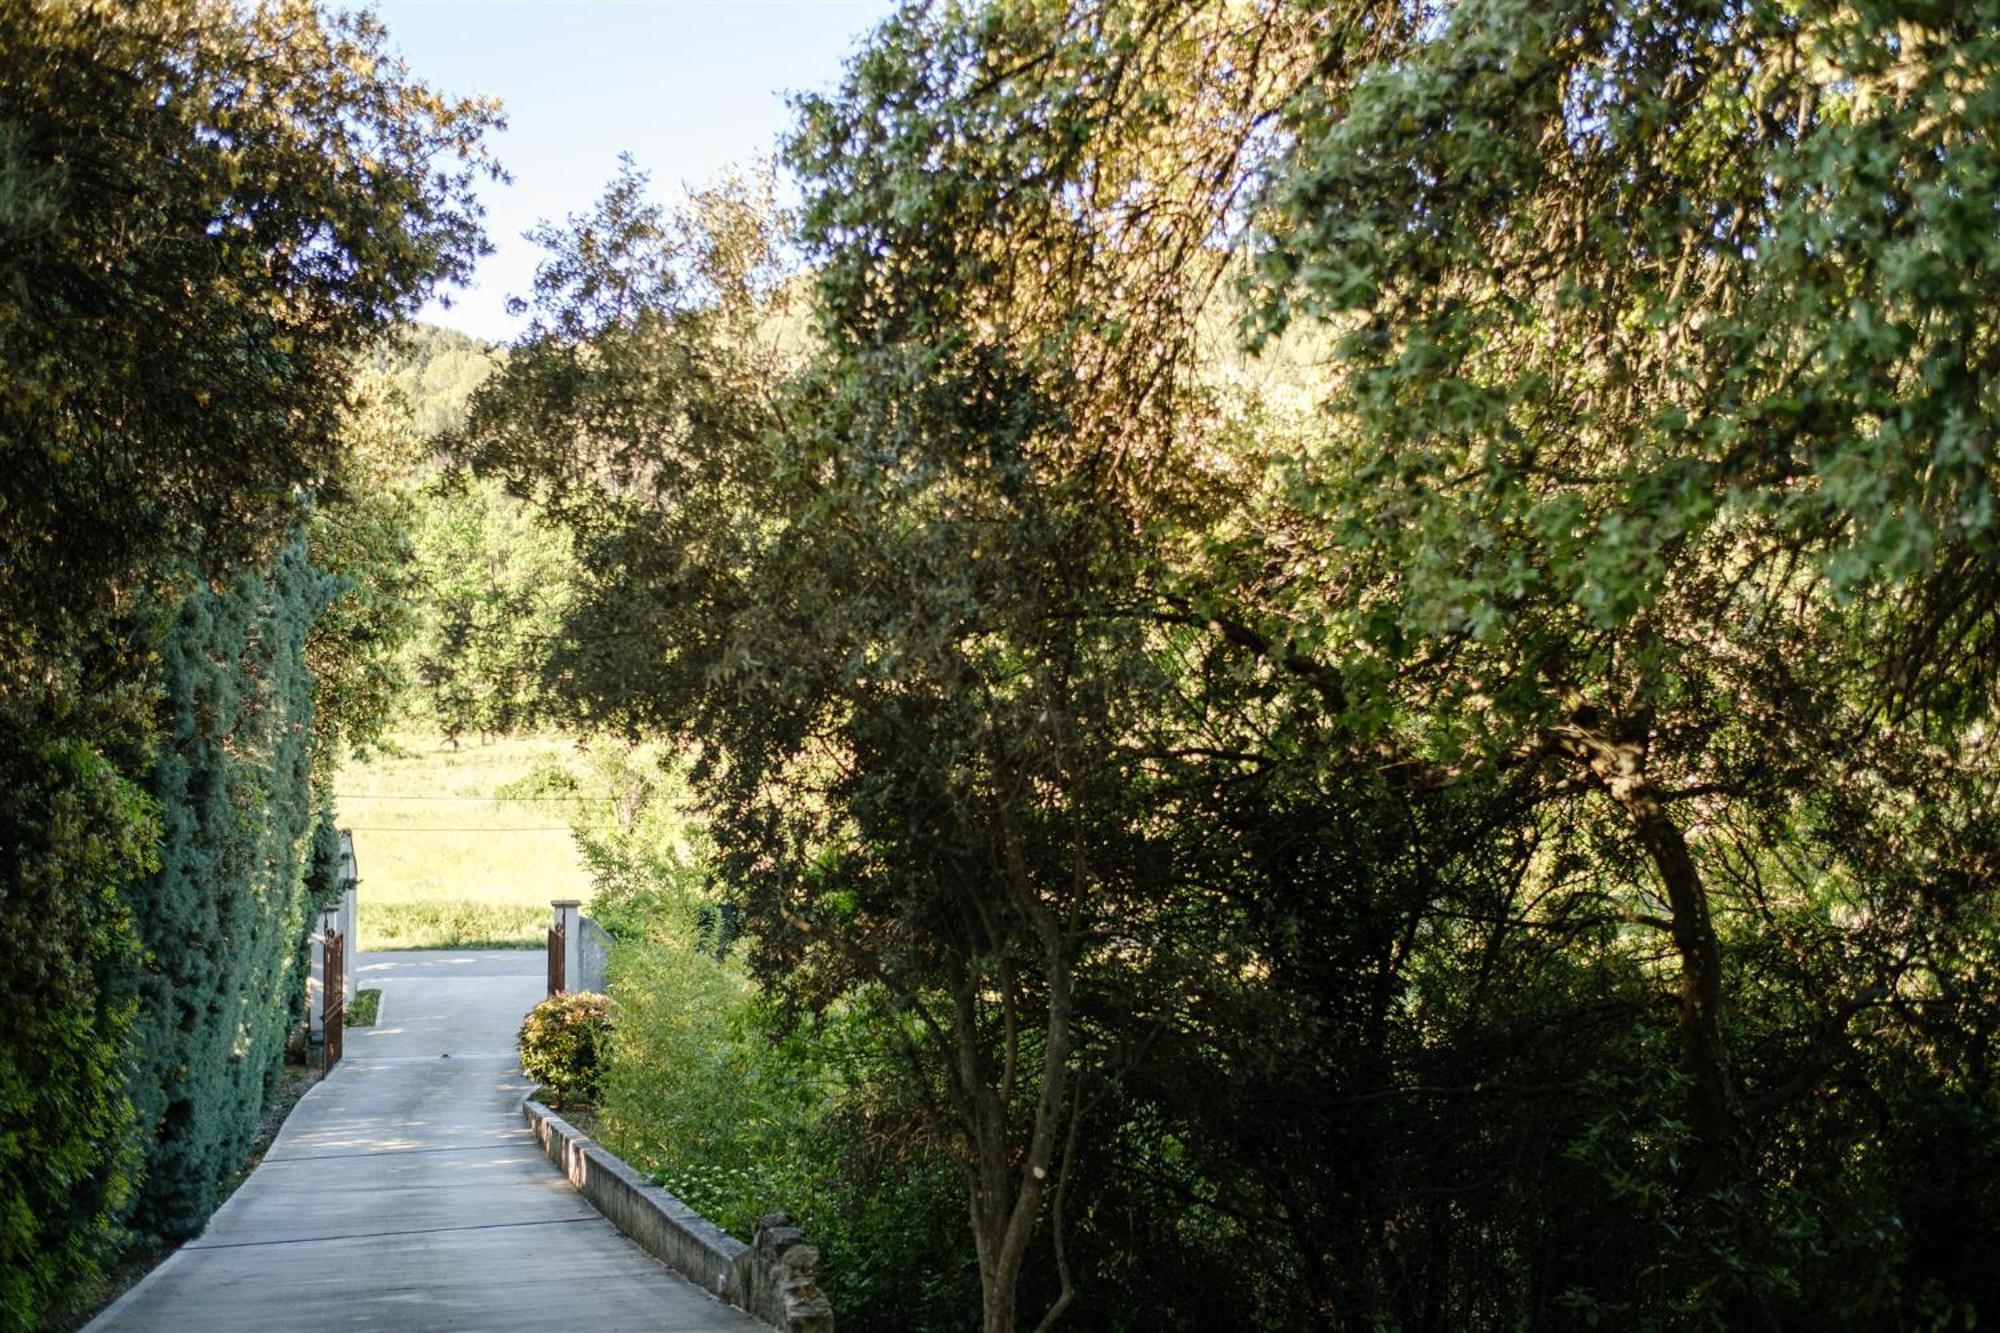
(444,865)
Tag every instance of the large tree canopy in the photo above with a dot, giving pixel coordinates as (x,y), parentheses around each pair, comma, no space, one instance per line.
(1491,800)
(206,211)
(1661,460)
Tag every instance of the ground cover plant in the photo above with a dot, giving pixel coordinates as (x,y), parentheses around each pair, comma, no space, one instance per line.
(365,1008)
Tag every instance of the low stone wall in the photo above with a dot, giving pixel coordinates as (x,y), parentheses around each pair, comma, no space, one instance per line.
(774,1279)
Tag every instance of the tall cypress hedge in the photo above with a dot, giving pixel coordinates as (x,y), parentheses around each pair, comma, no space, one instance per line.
(222,919)
(159,840)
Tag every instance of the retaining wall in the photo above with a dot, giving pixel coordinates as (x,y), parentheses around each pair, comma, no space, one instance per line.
(774,1279)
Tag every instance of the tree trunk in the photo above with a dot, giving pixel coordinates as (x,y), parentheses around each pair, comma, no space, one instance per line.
(993,1201)
(1006,1193)
(1717,1117)
(1005,1207)
(1715,1113)
(998,1296)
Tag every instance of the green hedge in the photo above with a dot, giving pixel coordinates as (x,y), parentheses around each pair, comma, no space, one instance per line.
(74,827)
(155,899)
(223,918)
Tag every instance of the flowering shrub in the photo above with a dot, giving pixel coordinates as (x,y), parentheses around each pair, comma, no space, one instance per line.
(563,1043)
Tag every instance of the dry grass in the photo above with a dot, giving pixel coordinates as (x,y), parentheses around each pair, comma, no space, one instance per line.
(442,864)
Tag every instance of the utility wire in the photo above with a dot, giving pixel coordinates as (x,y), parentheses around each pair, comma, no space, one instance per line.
(390,828)
(412,796)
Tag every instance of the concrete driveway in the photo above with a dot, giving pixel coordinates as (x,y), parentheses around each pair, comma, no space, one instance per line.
(404,1193)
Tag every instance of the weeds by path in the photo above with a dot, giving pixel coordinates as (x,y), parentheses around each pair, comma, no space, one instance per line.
(367,1004)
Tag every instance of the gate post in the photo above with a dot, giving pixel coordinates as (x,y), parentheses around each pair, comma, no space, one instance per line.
(326,931)
(350,910)
(333,987)
(565,932)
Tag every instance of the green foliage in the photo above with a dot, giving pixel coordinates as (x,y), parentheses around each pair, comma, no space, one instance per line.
(1503,817)
(323,862)
(367,1004)
(362,533)
(223,919)
(736,1122)
(695,1091)
(207,213)
(211,214)
(644,852)
(1648,429)
(433,371)
(76,827)
(563,1040)
(419,562)
(456,585)
(496,582)
(701,1091)
(512,920)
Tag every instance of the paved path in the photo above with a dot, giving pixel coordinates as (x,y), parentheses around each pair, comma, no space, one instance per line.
(405,1194)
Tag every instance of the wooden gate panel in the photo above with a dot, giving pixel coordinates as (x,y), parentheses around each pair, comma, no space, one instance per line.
(558,982)
(335,981)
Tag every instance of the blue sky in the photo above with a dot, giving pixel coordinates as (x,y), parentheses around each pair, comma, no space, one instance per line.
(688,87)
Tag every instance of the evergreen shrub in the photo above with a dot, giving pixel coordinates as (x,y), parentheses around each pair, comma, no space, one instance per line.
(224,917)
(74,826)
(563,1042)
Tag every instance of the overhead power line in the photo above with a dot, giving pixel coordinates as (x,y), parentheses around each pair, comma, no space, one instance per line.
(414,796)
(391,828)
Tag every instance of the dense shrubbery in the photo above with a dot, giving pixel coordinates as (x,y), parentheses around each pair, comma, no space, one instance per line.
(563,1041)
(1500,822)
(222,920)
(704,1088)
(188,272)
(76,826)
(705,1093)
(697,1093)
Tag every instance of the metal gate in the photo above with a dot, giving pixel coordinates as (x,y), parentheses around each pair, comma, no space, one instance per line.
(335,1010)
(557,981)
